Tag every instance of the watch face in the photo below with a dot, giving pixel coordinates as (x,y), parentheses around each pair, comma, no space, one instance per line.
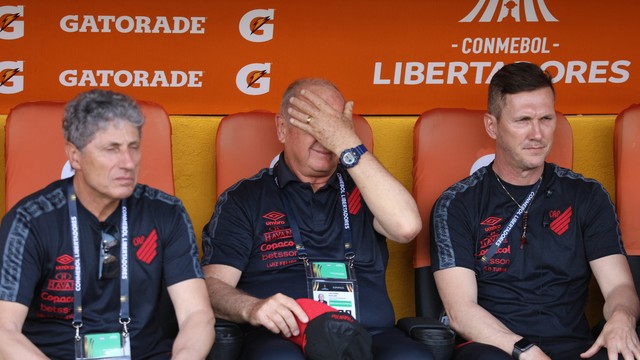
(348,158)
(523,344)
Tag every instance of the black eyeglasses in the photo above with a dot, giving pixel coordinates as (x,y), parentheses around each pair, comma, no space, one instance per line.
(109,263)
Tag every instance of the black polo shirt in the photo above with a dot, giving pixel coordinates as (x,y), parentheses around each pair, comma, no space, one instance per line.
(251,232)
(37,268)
(539,291)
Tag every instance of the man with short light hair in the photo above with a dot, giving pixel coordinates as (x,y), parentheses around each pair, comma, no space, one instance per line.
(514,245)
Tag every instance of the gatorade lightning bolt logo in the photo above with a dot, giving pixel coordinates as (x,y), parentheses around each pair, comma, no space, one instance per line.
(510,9)
(253,79)
(7,74)
(257,23)
(7,19)
(255,76)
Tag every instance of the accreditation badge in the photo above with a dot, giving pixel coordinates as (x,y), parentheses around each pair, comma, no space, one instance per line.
(333,283)
(111,346)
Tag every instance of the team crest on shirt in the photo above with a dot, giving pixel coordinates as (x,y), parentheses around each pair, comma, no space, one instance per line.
(355,201)
(147,247)
(560,220)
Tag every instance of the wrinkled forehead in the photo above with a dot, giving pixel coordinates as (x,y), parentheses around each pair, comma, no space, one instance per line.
(542,99)
(543,96)
(329,94)
(117,129)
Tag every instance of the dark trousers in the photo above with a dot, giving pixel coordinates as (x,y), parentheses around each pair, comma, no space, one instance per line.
(566,351)
(391,344)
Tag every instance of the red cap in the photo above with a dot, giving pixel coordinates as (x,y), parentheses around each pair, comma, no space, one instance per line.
(313,309)
(330,334)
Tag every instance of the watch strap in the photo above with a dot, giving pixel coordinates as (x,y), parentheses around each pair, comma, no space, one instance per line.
(360,149)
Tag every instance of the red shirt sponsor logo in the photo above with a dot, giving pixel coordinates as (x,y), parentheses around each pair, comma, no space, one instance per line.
(277,235)
(61,282)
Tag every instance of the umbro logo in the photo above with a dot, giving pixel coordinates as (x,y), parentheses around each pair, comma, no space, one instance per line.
(491,220)
(65,259)
(273,216)
(64,262)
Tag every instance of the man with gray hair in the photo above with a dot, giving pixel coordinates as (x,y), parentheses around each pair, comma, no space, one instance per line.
(81,230)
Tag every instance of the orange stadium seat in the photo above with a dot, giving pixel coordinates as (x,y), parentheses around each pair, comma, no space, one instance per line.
(247,142)
(626,154)
(35,157)
(447,144)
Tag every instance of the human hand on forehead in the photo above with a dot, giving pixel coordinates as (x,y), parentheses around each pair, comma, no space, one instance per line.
(331,127)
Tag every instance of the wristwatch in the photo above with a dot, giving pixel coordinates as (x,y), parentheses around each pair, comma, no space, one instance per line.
(350,157)
(521,346)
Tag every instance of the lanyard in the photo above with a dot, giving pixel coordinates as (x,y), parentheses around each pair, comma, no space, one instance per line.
(124,265)
(507,229)
(349,254)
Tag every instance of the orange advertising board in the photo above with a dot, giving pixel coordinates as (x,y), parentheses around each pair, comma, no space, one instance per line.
(400,57)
